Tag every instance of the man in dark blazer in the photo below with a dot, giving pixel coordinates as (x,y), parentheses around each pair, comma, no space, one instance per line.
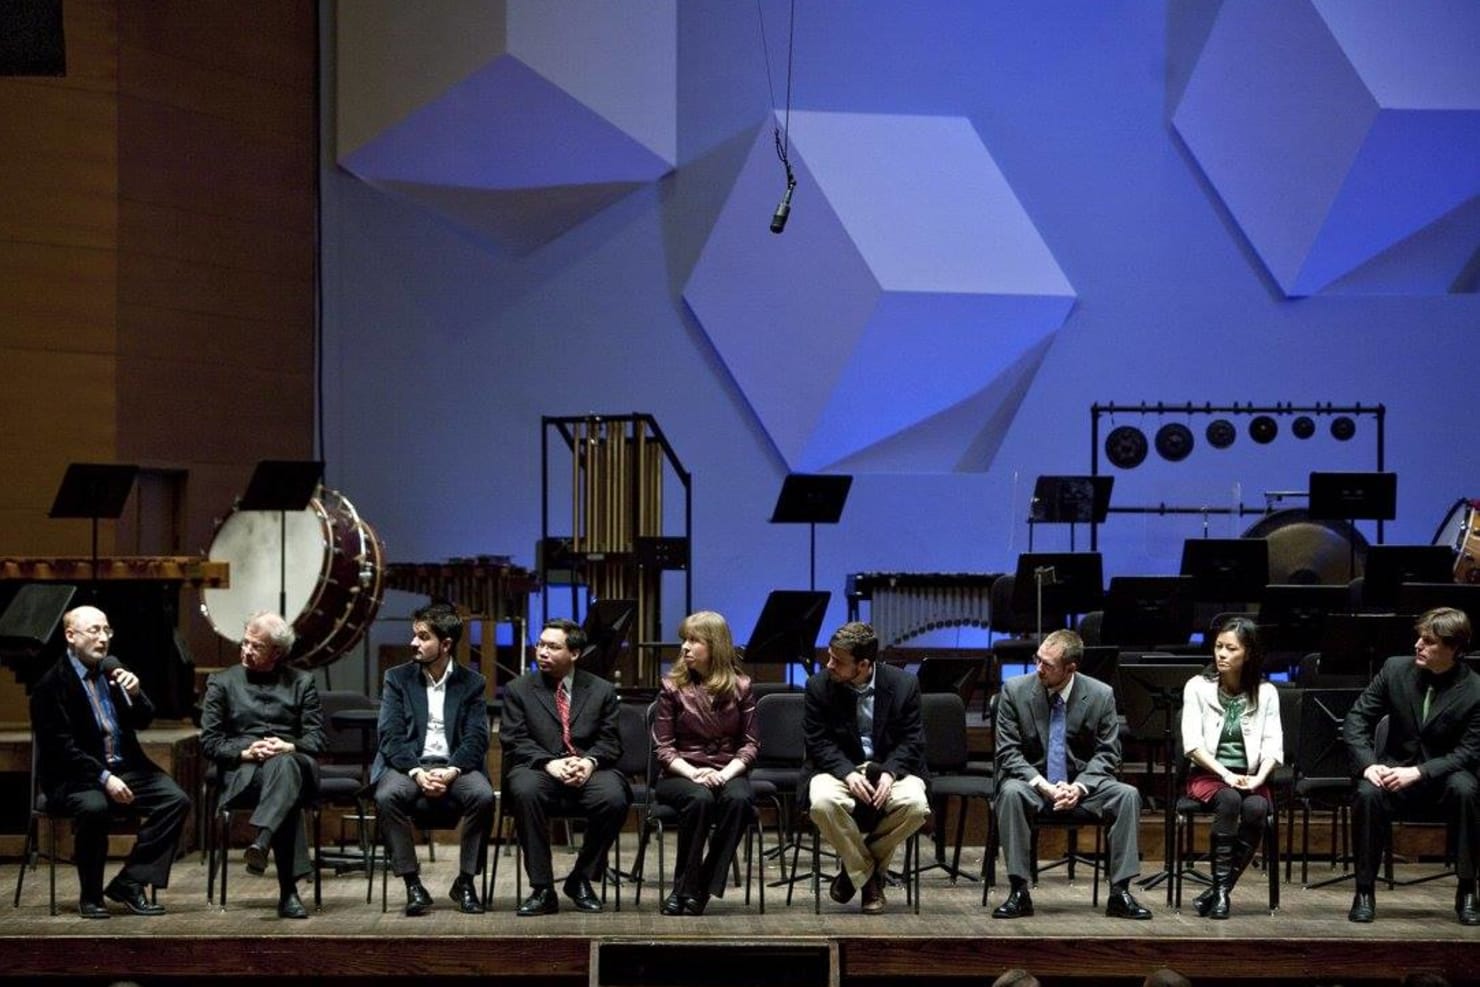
(865,770)
(1432,704)
(562,762)
(262,726)
(433,744)
(1029,781)
(85,711)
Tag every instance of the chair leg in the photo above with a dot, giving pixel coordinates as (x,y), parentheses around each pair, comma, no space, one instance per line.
(26,852)
(51,862)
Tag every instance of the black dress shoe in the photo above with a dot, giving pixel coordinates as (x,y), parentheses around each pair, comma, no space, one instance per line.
(289,906)
(672,905)
(1019,904)
(465,896)
(541,901)
(1122,905)
(578,890)
(418,899)
(1364,907)
(842,889)
(92,909)
(695,904)
(1203,903)
(1467,909)
(132,897)
(256,853)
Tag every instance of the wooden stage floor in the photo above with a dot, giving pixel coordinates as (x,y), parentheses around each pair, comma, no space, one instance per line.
(952,941)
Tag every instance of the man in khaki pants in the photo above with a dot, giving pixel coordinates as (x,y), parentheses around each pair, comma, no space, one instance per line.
(866,755)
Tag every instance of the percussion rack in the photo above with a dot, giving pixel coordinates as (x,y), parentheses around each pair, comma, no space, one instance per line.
(1163,408)
(617,547)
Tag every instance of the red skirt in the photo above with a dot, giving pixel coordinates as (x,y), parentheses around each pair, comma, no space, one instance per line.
(1203,785)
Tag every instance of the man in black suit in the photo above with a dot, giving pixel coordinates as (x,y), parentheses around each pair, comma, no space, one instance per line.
(1432,704)
(560,739)
(865,771)
(84,713)
(262,725)
(1058,748)
(433,744)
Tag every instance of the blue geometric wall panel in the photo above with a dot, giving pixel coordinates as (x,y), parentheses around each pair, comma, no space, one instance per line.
(896,323)
(1344,138)
(579,111)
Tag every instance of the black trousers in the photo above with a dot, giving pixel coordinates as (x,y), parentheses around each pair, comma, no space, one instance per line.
(164,807)
(1455,798)
(396,795)
(533,794)
(727,810)
(278,792)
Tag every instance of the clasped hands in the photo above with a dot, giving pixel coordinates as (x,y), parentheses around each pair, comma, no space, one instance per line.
(572,771)
(1062,795)
(1389,778)
(434,782)
(876,794)
(267,748)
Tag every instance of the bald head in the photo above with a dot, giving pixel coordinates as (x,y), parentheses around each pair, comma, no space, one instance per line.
(88,634)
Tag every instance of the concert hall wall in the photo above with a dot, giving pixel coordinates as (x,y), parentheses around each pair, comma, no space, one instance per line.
(521,219)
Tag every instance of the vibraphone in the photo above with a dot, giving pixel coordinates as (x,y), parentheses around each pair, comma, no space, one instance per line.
(903,605)
(492,589)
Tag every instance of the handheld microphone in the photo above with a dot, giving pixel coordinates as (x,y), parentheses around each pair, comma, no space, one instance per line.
(778,221)
(108,666)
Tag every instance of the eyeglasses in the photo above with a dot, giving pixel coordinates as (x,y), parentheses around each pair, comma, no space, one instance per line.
(102,630)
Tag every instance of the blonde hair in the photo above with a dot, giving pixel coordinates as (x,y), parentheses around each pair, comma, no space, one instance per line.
(712,629)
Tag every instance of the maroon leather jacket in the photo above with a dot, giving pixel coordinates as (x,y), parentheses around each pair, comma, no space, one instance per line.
(705,734)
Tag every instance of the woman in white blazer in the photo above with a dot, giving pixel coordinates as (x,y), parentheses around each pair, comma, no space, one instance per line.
(1231,734)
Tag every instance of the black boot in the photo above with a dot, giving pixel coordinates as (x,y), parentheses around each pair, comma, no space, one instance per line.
(1223,878)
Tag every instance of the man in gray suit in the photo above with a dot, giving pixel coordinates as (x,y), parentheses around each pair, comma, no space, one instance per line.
(1058,748)
(433,732)
(261,724)
(561,740)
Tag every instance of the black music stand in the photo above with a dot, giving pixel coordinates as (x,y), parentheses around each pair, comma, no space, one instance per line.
(1417,598)
(94,491)
(1226,570)
(28,624)
(1069,500)
(606,625)
(1389,566)
(1354,645)
(786,631)
(1152,695)
(1353,497)
(1058,583)
(1102,663)
(282,485)
(1295,614)
(811,499)
(1148,611)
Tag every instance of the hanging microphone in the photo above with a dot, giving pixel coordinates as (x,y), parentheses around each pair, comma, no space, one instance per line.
(108,666)
(778,221)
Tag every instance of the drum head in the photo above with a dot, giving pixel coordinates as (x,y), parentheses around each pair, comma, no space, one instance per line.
(252,543)
(1302,550)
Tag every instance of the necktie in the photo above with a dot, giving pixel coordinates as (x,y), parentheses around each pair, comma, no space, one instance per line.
(93,684)
(1058,760)
(1428,700)
(562,709)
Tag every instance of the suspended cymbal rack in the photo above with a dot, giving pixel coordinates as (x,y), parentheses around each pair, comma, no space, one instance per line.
(1377,412)
(618,547)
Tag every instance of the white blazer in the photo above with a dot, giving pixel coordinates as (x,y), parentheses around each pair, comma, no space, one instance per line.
(1202,722)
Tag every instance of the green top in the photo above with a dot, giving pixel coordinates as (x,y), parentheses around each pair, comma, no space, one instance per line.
(1230,751)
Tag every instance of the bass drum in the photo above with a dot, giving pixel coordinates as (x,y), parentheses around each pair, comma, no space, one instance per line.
(1304,550)
(330,561)
(1460,533)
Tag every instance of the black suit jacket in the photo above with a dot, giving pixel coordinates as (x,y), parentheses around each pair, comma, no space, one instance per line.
(69,743)
(240,709)
(830,724)
(1448,741)
(402,726)
(530,730)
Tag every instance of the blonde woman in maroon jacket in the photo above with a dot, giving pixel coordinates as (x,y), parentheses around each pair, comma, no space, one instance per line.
(705,742)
